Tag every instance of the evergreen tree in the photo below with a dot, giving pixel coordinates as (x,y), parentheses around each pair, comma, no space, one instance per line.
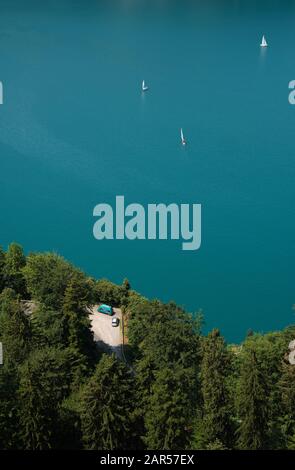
(9,423)
(169,418)
(15,336)
(48,328)
(15,261)
(216,406)
(253,404)
(77,332)
(287,417)
(164,339)
(108,293)
(125,290)
(165,333)
(78,296)
(68,433)
(2,269)
(47,276)
(15,331)
(145,377)
(270,349)
(107,407)
(44,383)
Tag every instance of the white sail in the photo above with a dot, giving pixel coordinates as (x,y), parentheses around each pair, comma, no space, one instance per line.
(182,137)
(144,87)
(263,42)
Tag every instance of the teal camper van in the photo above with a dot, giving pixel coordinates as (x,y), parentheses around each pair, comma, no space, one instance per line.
(106,309)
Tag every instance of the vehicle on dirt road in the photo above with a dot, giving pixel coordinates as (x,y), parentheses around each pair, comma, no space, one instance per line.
(106,309)
(115,321)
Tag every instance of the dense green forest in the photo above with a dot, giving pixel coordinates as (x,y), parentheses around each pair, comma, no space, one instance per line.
(180,389)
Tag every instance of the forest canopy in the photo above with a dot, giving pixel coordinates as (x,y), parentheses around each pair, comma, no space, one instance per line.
(179,388)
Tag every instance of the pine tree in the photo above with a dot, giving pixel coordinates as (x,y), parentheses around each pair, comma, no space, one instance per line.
(77,333)
(253,404)
(145,377)
(164,339)
(169,417)
(47,276)
(164,333)
(78,295)
(9,422)
(107,406)
(44,383)
(216,406)
(15,261)
(15,331)
(2,269)
(287,395)
(125,290)
(48,328)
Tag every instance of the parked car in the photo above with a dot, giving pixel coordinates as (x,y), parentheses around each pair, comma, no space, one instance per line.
(106,309)
(115,321)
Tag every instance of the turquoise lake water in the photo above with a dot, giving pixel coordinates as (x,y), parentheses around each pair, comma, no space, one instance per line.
(75,130)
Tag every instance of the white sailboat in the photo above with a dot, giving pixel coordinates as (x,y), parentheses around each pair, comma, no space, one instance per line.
(144,87)
(183,141)
(263,42)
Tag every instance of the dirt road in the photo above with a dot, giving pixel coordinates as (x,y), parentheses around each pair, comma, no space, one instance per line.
(107,336)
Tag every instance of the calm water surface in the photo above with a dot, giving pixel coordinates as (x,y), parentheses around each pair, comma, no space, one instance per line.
(75,130)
